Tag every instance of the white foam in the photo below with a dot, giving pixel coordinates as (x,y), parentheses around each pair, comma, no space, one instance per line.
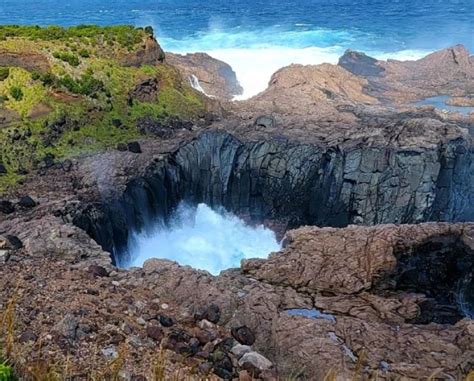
(256,55)
(204,239)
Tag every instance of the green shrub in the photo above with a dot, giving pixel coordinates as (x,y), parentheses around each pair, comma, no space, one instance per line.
(16,93)
(6,372)
(84,53)
(70,58)
(4,73)
(149,30)
(48,79)
(86,85)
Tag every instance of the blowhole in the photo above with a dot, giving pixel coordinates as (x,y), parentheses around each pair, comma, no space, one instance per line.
(201,237)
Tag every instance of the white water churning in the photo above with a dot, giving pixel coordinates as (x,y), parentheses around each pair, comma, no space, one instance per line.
(203,238)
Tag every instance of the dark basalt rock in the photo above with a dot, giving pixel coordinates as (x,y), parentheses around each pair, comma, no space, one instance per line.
(295,184)
(164,130)
(26,202)
(360,64)
(166,321)
(243,335)
(6,207)
(12,242)
(3,169)
(134,147)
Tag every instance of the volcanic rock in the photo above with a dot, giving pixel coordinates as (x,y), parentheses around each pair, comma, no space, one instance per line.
(149,54)
(25,60)
(215,77)
(6,207)
(243,335)
(134,147)
(3,169)
(155,333)
(26,202)
(98,271)
(254,362)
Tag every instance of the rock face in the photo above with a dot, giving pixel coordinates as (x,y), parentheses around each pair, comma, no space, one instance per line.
(216,78)
(449,71)
(299,184)
(27,61)
(149,54)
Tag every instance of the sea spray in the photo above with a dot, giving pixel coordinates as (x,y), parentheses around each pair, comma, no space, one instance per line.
(203,238)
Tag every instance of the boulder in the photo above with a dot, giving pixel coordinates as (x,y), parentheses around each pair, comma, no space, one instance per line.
(26,202)
(150,53)
(6,207)
(254,362)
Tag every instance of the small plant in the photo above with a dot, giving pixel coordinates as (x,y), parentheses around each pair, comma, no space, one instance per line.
(6,372)
(70,58)
(16,93)
(4,73)
(84,53)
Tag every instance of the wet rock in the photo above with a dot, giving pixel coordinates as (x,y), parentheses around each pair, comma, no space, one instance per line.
(155,333)
(98,271)
(6,207)
(134,147)
(26,202)
(27,336)
(254,362)
(243,335)
(166,321)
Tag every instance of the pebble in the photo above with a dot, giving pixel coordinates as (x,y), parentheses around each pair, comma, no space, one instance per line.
(165,306)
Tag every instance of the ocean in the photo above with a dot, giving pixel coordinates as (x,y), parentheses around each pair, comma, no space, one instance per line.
(257,37)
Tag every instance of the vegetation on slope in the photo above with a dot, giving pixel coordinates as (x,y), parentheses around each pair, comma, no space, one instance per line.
(85,101)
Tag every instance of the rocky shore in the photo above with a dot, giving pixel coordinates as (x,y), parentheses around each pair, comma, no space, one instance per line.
(373,196)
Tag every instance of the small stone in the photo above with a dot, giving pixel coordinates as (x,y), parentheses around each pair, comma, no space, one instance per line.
(116,122)
(27,336)
(110,353)
(205,367)
(10,242)
(26,202)
(239,350)
(243,335)
(98,271)
(166,321)
(253,361)
(141,321)
(205,324)
(245,376)
(204,336)
(223,373)
(155,333)
(6,207)
(134,147)
(67,165)
(164,306)
(138,377)
(212,313)
(115,283)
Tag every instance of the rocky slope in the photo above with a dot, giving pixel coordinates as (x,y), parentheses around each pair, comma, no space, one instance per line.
(447,72)
(318,147)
